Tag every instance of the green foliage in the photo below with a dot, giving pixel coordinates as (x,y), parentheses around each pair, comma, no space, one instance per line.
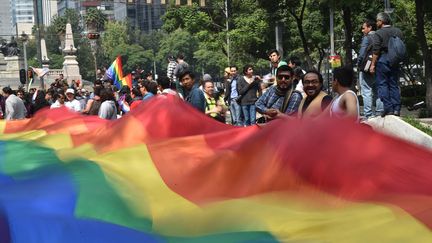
(56,61)
(202,35)
(95,19)
(86,60)
(189,18)
(179,41)
(52,40)
(404,18)
(249,31)
(209,61)
(115,35)
(417,124)
(59,22)
(152,40)
(134,56)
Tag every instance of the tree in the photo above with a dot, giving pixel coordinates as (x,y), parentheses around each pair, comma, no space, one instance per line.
(95,19)
(295,10)
(248,33)
(85,60)
(71,16)
(424,7)
(179,41)
(134,56)
(115,35)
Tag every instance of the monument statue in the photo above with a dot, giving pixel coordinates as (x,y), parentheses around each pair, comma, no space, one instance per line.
(9,49)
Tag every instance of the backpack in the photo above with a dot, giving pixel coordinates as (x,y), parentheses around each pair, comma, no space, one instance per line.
(396,52)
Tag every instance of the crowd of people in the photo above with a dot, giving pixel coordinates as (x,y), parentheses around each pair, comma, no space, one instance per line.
(287,91)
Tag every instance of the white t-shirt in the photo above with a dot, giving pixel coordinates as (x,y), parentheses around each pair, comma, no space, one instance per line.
(73,105)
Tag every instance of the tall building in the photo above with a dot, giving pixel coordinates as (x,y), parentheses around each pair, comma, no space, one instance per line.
(140,14)
(49,9)
(62,5)
(6,20)
(22,11)
(81,6)
(22,16)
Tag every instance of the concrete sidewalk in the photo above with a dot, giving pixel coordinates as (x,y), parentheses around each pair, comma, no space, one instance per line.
(395,126)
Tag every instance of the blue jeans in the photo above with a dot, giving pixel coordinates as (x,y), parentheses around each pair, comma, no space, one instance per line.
(369,94)
(249,114)
(236,113)
(387,78)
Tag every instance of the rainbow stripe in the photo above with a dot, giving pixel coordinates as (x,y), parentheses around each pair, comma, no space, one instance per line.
(165,172)
(115,72)
(127,80)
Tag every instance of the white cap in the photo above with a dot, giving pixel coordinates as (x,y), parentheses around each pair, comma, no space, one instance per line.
(72,91)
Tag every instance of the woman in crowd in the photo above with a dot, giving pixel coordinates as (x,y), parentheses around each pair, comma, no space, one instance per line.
(248,86)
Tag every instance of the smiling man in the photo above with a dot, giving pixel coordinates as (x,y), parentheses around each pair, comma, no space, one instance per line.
(316,100)
(281,98)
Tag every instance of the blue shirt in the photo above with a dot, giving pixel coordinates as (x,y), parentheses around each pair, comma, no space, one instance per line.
(363,47)
(196,98)
(234,93)
(270,100)
(148,96)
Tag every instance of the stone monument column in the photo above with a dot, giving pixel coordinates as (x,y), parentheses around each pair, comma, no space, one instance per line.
(70,64)
(45,59)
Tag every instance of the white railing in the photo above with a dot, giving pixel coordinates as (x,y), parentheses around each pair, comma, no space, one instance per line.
(54,73)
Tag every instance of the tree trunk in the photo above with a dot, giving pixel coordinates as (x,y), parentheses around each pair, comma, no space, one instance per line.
(305,44)
(346,12)
(427,58)
(299,22)
(321,58)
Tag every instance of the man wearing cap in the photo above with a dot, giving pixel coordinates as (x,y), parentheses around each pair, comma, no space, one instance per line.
(72,103)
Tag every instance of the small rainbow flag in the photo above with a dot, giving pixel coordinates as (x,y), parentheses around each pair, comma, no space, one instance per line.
(115,72)
(127,80)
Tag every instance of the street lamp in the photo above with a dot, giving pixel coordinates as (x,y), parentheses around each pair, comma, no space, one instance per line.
(24,38)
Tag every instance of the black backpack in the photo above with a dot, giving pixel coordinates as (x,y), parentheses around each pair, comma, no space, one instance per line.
(396,51)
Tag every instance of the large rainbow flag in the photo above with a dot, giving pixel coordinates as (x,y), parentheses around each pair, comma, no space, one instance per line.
(115,72)
(167,173)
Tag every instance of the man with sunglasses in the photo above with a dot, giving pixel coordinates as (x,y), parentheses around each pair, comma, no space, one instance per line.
(281,98)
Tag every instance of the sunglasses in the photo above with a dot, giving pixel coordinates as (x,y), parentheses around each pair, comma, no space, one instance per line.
(280,77)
